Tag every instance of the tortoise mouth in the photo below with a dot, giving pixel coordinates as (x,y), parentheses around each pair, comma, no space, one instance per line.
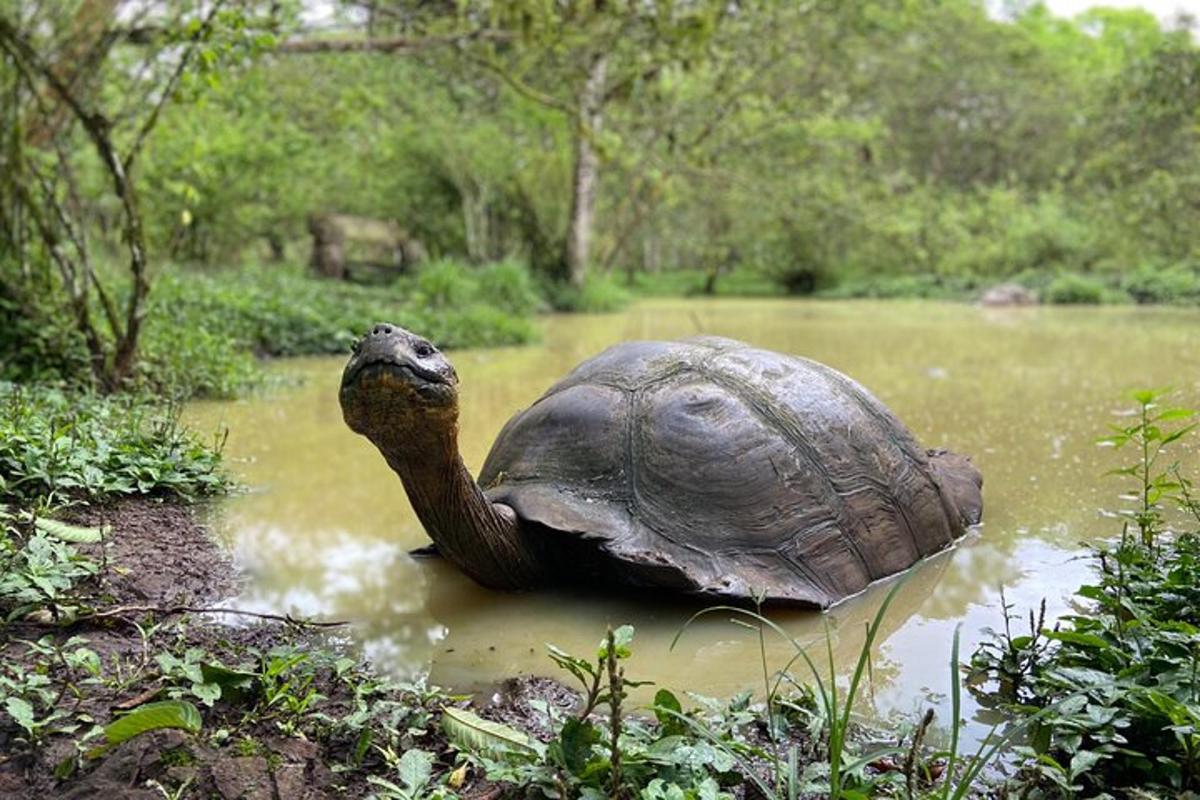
(386,382)
(386,369)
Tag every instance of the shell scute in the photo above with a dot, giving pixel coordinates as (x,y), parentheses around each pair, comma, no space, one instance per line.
(713,467)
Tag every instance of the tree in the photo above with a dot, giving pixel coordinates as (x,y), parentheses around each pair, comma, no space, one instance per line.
(63,61)
(575,59)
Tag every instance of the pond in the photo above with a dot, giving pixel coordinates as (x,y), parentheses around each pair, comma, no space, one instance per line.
(325,527)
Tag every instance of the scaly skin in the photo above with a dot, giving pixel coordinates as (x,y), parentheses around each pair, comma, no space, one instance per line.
(402,394)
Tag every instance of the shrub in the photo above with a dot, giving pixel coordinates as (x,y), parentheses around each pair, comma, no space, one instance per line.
(444,284)
(205,328)
(37,341)
(508,286)
(61,446)
(930,287)
(1109,693)
(1074,289)
(599,294)
(1176,284)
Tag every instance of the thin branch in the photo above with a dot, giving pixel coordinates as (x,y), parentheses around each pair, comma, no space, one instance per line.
(168,90)
(522,88)
(120,611)
(391,44)
(98,130)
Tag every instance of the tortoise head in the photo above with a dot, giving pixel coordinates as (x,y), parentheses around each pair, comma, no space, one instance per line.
(398,390)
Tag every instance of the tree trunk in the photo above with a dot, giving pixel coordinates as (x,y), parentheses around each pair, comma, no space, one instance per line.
(586,172)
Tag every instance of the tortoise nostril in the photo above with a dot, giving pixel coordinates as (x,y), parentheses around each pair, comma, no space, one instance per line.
(387,328)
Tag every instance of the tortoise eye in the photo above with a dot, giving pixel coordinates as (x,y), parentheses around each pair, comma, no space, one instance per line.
(423,349)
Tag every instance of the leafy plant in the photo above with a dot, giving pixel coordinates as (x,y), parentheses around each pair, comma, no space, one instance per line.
(38,566)
(165,714)
(205,329)
(1110,692)
(837,707)
(470,732)
(1014,661)
(56,446)
(1151,439)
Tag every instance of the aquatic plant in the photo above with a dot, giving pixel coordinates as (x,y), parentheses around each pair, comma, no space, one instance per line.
(1110,692)
(1151,438)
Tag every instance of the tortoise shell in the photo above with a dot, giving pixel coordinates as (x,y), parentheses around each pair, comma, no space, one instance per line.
(712,467)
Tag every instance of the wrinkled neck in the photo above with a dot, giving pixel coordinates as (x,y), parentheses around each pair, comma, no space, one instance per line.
(483,539)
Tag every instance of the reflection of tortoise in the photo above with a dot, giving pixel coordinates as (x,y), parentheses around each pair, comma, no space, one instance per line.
(703,466)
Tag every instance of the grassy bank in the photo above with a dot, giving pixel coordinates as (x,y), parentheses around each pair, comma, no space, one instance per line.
(1178,285)
(205,330)
(1175,285)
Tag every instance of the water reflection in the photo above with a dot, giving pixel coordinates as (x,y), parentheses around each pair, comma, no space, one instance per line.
(326,528)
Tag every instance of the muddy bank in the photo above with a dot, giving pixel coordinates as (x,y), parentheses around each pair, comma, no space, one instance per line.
(155,559)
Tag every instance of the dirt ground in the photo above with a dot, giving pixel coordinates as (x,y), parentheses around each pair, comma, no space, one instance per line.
(158,558)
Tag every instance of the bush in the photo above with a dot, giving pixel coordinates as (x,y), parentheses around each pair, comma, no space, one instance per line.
(37,340)
(929,287)
(741,281)
(599,294)
(204,329)
(59,446)
(1177,284)
(444,284)
(1108,694)
(1074,289)
(508,286)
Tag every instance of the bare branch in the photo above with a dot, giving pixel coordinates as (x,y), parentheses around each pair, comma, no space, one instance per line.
(98,129)
(391,44)
(288,619)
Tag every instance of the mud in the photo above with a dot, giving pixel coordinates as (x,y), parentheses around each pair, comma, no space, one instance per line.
(157,558)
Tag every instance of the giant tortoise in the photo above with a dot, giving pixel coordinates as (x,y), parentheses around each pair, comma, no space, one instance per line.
(704,466)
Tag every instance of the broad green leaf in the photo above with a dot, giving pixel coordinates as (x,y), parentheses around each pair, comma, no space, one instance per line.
(1083,761)
(575,744)
(178,714)
(236,686)
(415,769)
(1079,639)
(75,534)
(207,693)
(21,711)
(664,703)
(473,733)
(622,638)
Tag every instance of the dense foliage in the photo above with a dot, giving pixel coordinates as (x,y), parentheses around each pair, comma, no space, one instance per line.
(57,447)
(817,144)
(206,328)
(1109,694)
(928,148)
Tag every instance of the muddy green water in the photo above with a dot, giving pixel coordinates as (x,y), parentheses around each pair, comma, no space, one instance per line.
(325,527)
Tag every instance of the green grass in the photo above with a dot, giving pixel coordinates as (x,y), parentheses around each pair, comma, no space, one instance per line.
(739,282)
